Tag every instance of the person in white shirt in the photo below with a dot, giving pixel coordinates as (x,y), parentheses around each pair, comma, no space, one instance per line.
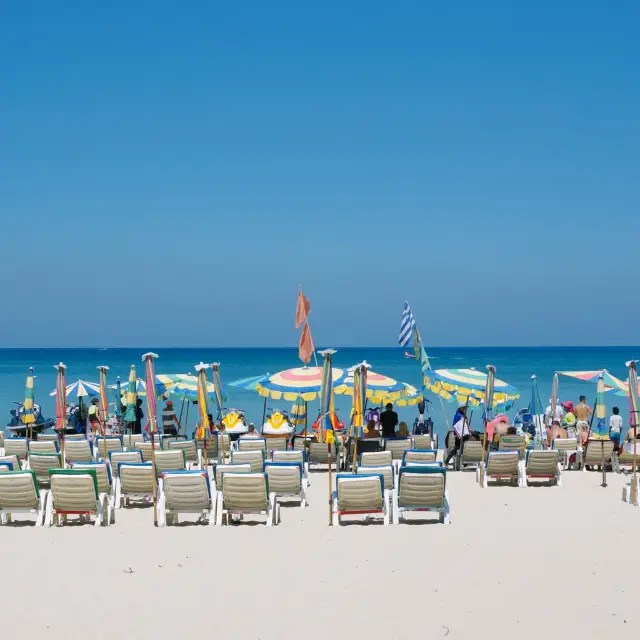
(558,414)
(460,431)
(615,427)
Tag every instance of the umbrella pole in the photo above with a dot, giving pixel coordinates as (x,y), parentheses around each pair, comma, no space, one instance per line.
(155,480)
(633,498)
(264,412)
(330,484)
(186,421)
(355,454)
(181,410)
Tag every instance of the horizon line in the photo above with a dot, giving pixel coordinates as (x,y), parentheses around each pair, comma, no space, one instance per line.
(269,347)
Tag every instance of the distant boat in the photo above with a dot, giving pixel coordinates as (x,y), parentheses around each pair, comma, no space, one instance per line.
(103,349)
(408,354)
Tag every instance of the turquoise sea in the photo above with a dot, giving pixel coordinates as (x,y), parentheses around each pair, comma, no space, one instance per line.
(514,365)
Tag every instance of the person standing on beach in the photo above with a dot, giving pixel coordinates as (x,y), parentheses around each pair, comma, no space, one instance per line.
(170,424)
(582,412)
(389,421)
(615,427)
(461,432)
(137,425)
(94,418)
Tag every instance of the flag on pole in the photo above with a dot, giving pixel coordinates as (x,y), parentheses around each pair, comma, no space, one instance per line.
(419,351)
(326,433)
(303,306)
(407,323)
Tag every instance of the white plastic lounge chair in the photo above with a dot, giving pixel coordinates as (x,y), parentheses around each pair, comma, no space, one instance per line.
(221,469)
(131,440)
(388,476)
(17,447)
(592,454)
(165,440)
(1,442)
(423,442)
(170,460)
(14,461)
(419,456)
(301,444)
(566,447)
(77,451)
(543,466)
(43,446)
(359,494)
(75,492)
(502,466)
(513,443)
(422,488)
(624,457)
(6,467)
(112,443)
(19,493)
(106,486)
(48,437)
(116,457)
(41,463)
(212,451)
(286,480)
(134,483)
(74,437)
(252,444)
(185,492)
(254,458)
(319,454)
(471,456)
(397,446)
(145,449)
(190,450)
(376,459)
(277,443)
(291,455)
(246,493)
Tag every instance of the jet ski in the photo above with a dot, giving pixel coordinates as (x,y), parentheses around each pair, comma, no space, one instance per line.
(17,428)
(235,422)
(277,423)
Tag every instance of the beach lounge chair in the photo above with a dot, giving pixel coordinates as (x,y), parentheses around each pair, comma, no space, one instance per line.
(542,466)
(1,442)
(566,447)
(290,455)
(170,460)
(74,437)
(77,451)
(246,493)
(388,476)
(513,443)
(397,446)
(419,456)
(301,443)
(319,454)
(131,440)
(106,486)
(19,493)
(135,482)
(43,446)
(624,457)
(254,458)
(145,449)
(359,494)
(376,459)
(221,469)
(108,443)
(48,437)
(6,466)
(212,451)
(185,492)
(276,443)
(190,450)
(594,452)
(17,447)
(75,492)
(423,442)
(252,444)
(369,445)
(501,466)
(13,460)
(41,463)
(286,480)
(471,456)
(166,440)
(116,457)
(422,488)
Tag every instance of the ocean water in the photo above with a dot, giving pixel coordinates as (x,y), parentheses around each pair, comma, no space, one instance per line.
(514,365)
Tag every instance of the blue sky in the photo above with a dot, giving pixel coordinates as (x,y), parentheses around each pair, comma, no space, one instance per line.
(480,159)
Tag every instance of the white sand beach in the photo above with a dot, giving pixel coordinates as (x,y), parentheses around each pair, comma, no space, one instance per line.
(527,563)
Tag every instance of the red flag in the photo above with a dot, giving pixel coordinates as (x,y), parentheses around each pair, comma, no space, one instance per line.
(305,348)
(302,309)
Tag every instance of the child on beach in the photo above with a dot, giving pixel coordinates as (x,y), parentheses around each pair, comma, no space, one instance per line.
(615,427)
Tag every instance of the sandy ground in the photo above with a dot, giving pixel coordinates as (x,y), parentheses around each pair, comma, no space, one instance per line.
(527,563)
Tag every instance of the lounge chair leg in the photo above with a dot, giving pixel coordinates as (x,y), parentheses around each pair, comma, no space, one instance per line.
(271,513)
(219,511)
(162,514)
(385,510)
(335,518)
(118,494)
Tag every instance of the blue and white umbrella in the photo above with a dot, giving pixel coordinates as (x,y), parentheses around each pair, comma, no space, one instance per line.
(81,389)
(250,384)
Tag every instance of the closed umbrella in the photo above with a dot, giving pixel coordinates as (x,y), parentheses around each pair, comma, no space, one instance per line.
(326,433)
(203,430)
(61,403)
(489,390)
(148,359)
(360,375)
(104,405)
(28,414)
(634,418)
(130,411)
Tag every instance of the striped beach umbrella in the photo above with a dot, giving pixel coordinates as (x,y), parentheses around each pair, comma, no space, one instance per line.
(599,430)
(80,389)
(28,415)
(299,411)
(304,382)
(378,387)
(611,383)
(327,411)
(411,397)
(632,387)
(554,400)
(488,392)
(61,397)
(360,389)
(217,388)
(163,384)
(203,400)
(186,386)
(118,399)
(468,385)
(150,377)
(130,411)
(250,384)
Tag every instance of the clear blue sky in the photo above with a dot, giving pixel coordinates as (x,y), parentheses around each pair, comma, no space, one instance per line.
(170,172)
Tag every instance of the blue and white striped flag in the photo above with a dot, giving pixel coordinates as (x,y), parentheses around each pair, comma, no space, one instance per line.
(406,325)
